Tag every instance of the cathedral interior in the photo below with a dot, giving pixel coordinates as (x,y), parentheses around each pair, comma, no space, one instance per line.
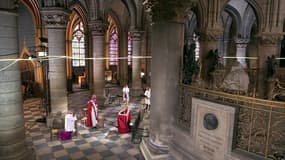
(216,69)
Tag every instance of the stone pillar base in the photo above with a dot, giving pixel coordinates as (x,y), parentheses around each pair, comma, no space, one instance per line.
(151,151)
(29,154)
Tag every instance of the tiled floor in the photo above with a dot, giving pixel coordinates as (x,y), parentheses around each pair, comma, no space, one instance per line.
(96,144)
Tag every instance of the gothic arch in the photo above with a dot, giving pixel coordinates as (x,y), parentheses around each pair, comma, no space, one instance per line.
(199,11)
(248,20)
(93,9)
(235,15)
(256,9)
(241,18)
(78,14)
(190,26)
(132,9)
(33,8)
(258,12)
(227,20)
(79,9)
(116,19)
(114,22)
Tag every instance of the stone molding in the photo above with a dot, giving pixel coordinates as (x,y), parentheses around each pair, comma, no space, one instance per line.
(241,45)
(161,10)
(270,38)
(242,42)
(136,35)
(152,151)
(211,35)
(55,18)
(98,27)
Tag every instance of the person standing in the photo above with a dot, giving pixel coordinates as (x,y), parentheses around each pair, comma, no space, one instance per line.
(147,94)
(92,112)
(126,92)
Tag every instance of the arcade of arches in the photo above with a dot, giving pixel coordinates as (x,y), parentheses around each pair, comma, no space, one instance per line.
(215,68)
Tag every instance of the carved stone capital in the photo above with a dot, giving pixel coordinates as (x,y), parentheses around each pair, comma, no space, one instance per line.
(136,35)
(55,18)
(241,45)
(210,35)
(161,10)
(242,42)
(270,38)
(98,27)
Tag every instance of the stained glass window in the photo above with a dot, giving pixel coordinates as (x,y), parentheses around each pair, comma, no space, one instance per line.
(113,50)
(78,46)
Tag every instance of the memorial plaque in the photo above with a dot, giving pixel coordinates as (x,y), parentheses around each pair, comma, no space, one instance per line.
(213,129)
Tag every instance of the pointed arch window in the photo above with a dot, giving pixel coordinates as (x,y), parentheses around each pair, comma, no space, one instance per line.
(113,50)
(78,46)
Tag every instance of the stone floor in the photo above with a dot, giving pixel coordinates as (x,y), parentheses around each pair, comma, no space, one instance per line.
(96,143)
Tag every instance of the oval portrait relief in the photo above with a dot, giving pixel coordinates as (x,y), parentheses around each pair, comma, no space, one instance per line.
(210,121)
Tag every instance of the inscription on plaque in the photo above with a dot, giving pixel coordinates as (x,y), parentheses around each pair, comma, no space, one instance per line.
(210,145)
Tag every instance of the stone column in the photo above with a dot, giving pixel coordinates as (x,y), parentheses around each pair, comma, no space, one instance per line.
(148,53)
(136,62)
(123,63)
(225,44)
(98,29)
(268,46)
(241,46)
(166,48)
(167,41)
(12,129)
(56,20)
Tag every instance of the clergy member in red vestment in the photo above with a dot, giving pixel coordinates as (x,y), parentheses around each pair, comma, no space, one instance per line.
(92,112)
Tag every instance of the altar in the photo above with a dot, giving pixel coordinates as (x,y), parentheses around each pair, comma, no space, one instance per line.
(123,120)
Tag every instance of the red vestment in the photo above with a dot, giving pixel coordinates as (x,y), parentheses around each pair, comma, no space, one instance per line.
(92,115)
